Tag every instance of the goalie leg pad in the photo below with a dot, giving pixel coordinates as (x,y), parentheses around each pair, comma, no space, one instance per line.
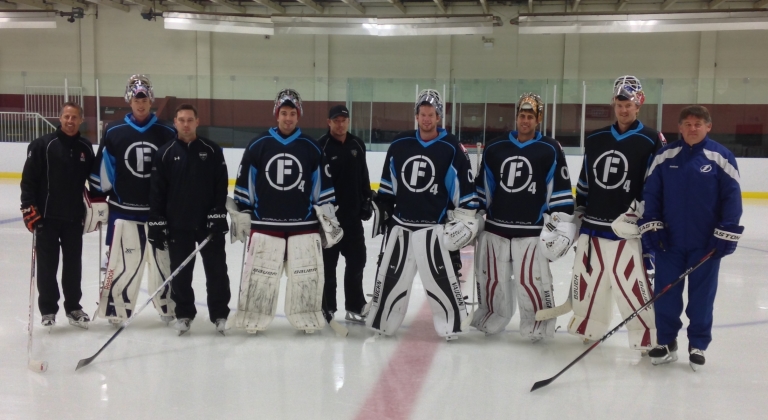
(260,283)
(306,278)
(159,262)
(392,288)
(631,289)
(495,290)
(591,289)
(125,270)
(439,279)
(533,282)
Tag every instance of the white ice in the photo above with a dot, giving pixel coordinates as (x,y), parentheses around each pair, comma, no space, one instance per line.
(149,372)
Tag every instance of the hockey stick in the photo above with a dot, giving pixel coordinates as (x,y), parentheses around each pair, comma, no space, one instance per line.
(545,314)
(541,384)
(38,366)
(85,362)
(471,316)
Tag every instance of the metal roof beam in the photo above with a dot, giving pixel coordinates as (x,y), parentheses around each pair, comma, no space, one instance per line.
(621,4)
(271,5)
(761,4)
(225,3)
(187,3)
(399,6)
(667,4)
(40,4)
(355,5)
(312,5)
(440,5)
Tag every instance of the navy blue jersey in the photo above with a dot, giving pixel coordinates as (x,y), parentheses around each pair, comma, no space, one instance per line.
(424,179)
(123,164)
(518,182)
(613,172)
(693,190)
(280,179)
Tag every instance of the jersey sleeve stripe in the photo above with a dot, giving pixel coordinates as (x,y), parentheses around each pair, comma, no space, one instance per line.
(723,163)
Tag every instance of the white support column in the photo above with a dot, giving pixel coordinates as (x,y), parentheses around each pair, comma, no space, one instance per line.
(204,81)
(321,67)
(706,81)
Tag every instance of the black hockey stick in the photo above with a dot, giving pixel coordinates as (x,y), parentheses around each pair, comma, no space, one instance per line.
(541,384)
(85,362)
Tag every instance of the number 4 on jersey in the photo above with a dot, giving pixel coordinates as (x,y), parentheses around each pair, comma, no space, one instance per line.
(532,188)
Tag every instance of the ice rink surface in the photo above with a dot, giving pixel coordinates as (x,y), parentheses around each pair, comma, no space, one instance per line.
(149,372)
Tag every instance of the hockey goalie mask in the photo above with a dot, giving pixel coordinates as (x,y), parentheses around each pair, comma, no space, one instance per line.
(531,102)
(139,84)
(628,87)
(289,96)
(431,97)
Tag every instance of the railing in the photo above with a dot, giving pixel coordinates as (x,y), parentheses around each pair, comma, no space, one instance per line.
(47,100)
(23,127)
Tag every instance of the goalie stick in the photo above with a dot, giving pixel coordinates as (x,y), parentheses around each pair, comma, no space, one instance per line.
(545,314)
(468,319)
(38,366)
(85,362)
(541,384)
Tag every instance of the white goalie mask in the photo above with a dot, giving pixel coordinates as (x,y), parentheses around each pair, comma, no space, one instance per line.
(138,85)
(531,102)
(289,96)
(430,97)
(628,87)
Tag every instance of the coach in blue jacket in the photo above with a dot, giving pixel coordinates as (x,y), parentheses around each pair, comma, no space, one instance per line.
(692,206)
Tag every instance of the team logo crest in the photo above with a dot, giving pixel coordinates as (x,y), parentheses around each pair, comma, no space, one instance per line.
(284,172)
(418,173)
(706,168)
(354,153)
(203,155)
(82,157)
(138,158)
(610,170)
(516,174)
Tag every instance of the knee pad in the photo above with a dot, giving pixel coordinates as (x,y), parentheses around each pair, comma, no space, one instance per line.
(260,283)
(493,271)
(306,278)
(436,272)
(394,279)
(125,270)
(159,262)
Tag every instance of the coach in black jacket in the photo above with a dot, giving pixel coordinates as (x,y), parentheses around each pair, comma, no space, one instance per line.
(52,186)
(187,198)
(346,164)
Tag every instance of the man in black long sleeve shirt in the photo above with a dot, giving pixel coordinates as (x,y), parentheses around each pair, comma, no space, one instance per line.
(52,186)
(345,157)
(187,198)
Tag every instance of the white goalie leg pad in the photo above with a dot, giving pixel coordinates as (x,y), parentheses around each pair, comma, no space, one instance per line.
(533,282)
(439,279)
(159,268)
(125,270)
(590,289)
(495,290)
(304,291)
(631,289)
(392,288)
(260,283)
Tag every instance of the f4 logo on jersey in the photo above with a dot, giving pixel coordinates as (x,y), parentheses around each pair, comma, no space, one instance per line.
(516,175)
(610,170)
(418,174)
(284,172)
(138,158)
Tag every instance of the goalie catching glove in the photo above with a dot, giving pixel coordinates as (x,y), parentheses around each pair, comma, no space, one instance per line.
(96,212)
(330,229)
(625,226)
(240,229)
(557,235)
(460,229)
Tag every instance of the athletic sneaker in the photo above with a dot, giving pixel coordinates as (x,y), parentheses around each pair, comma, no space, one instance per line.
(49,320)
(695,358)
(662,354)
(182,325)
(78,318)
(221,325)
